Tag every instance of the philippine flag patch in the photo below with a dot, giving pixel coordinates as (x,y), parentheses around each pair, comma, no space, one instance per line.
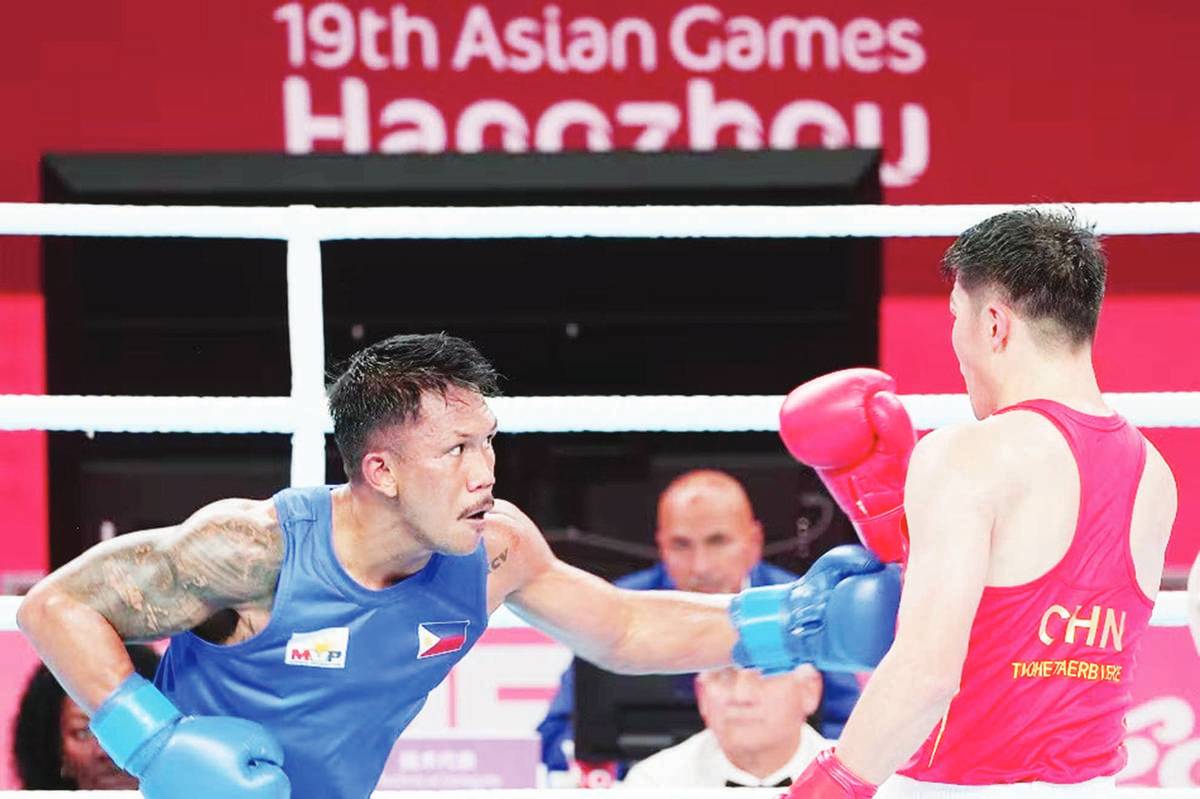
(440,637)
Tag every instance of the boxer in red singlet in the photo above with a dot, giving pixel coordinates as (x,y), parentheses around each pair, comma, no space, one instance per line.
(1035,547)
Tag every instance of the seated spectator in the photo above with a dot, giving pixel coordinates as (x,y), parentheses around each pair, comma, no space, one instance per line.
(52,746)
(755,734)
(710,541)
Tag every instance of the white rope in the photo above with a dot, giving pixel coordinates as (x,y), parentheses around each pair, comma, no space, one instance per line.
(652,221)
(760,413)
(1170,610)
(545,793)
(100,414)
(582,414)
(304,227)
(733,221)
(193,221)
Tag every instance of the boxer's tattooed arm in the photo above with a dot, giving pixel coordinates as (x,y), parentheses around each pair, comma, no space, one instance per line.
(160,582)
(498,561)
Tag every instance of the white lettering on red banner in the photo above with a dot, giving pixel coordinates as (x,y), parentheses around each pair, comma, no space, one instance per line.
(699,42)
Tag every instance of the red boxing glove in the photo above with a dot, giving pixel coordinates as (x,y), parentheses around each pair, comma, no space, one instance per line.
(852,429)
(827,778)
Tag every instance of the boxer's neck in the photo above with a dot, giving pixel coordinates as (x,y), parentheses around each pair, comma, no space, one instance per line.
(370,543)
(1066,377)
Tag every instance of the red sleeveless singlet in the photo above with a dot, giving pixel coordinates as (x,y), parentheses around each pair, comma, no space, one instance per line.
(1046,682)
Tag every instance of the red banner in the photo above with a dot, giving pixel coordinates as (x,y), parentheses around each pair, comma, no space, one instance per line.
(1019,101)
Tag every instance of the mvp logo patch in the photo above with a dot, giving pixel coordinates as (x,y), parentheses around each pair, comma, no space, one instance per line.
(322,649)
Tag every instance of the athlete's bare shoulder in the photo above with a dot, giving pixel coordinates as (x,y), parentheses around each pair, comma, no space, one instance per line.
(516,550)
(973,447)
(985,458)
(958,450)
(1022,434)
(153,583)
(1158,488)
(1158,470)
(1026,449)
(233,532)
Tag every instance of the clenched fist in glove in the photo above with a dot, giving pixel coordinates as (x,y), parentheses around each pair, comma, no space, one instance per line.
(840,616)
(851,428)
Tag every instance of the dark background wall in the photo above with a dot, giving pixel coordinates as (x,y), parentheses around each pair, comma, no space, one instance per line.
(557,316)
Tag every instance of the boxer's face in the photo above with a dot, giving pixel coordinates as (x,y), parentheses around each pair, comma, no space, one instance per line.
(82,758)
(708,540)
(749,712)
(444,468)
(972,347)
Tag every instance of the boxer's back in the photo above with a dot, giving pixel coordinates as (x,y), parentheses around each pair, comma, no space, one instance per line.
(1037,523)
(1083,513)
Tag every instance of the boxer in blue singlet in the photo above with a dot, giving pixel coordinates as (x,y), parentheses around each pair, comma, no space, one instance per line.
(308,629)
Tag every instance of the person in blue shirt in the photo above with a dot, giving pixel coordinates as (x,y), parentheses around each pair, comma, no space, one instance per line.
(709,541)
(308,629)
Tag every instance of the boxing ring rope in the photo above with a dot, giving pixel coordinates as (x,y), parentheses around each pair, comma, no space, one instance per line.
(647,222)
(566,414)
(304,415)
(553,793)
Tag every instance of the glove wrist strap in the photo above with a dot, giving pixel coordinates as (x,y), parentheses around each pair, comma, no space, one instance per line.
(885,534)
(855,786)
(760,616)
(132,716)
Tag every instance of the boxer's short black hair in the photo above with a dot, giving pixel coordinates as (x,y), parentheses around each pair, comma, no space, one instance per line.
(383,385)
(1047,264)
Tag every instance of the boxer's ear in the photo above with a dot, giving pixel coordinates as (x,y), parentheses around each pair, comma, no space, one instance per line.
(999,320)
(376,471)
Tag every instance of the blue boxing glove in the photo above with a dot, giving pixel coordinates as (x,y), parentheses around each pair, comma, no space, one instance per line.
(840,616)
(177,757)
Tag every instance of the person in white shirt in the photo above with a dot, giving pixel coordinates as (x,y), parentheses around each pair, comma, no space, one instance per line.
(755,733)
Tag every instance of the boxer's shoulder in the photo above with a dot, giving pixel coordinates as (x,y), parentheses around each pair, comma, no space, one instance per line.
(1158,487)
(508,526)
(961,445)
(149,584)
(229,532)
(1157,467)
(248,513)
(1006,438)
(516,549)
(977,457)
(233,530)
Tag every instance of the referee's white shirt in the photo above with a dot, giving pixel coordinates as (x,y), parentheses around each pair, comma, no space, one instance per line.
(699,762)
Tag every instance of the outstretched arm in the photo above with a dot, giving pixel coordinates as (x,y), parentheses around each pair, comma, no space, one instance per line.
(149,585)
(620,630)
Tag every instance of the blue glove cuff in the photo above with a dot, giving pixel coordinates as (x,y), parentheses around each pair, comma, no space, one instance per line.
(133,715)
(760,616)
